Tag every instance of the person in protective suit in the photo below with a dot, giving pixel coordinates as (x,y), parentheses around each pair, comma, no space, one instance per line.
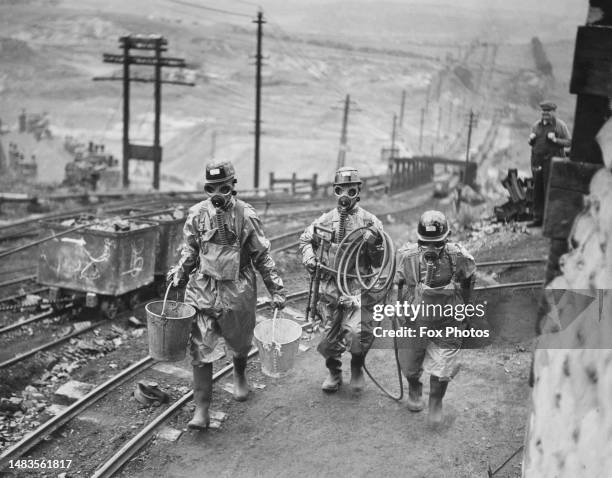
(432,271)
(349,325)
(223,245)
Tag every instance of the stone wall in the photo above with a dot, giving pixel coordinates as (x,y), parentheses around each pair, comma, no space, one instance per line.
(570,427)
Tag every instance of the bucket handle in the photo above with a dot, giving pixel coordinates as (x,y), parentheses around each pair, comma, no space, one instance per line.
(165,297)
(274,324)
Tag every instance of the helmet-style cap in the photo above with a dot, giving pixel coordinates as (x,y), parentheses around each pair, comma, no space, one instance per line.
(433,227)
(347,175)
(219,172)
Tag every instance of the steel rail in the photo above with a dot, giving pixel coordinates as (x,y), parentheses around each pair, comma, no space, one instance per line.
(48,345)
(67,214)
(19,269)
(34,318)
(40,241)
(295,232)
(17,280)
(510,262)
(276,242)
(44,430)
(19,235)
(114,464)
(15,250)
(23,294)
(146,198)
(511,285)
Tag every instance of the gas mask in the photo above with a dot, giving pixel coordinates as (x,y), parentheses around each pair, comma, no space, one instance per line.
(348,196)
(431,251)
(220,194)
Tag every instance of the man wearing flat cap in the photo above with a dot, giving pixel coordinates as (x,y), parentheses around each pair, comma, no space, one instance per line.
(549,136)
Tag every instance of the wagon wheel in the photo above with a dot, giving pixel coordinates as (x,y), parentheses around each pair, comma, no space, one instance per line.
(75,310)
(110,307)
(133,299)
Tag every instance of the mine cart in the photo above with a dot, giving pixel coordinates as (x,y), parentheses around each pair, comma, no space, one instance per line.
(105,263)
(170,235)
(170,240)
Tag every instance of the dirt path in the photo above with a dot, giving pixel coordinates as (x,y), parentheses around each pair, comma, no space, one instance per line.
(291,428)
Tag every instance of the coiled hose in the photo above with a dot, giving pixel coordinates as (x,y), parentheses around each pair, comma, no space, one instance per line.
(347,258)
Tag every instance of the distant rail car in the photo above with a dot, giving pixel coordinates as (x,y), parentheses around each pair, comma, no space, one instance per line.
(106,265)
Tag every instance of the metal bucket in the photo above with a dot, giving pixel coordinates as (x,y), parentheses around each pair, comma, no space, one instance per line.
(168,330)
(278,341)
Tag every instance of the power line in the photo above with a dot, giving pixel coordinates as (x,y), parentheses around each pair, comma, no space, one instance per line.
(244,2)
(211,9)
(299,53)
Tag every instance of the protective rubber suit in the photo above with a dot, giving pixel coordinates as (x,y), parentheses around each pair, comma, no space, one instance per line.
(223,245)
(223,286)
(349,326)
(433,272)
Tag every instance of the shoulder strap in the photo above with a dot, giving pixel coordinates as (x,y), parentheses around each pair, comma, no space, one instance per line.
(239,206)
(453,262)
(203,215)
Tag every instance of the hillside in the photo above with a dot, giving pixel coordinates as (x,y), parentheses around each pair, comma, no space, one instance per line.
(315,54)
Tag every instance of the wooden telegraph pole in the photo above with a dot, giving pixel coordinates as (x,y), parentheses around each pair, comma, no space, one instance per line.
(258,64)
(393,133)
(343,135)
(472,122)
(157,44)
(402,107)
(421,130)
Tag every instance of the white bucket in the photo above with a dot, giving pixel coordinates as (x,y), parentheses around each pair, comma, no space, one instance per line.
(278,341)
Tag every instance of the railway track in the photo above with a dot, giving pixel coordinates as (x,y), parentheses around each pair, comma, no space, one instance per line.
(141,438)
(282,242)
(130,448)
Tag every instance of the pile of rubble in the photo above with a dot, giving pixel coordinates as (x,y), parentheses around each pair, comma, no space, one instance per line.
(111,224)
(23,411)
(520,201)
(169,216)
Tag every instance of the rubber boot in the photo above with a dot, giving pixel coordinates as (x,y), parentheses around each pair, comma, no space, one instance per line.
(334,378)
(241,386)
(415,401)
(357,379)
(437,389)
(202,395)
